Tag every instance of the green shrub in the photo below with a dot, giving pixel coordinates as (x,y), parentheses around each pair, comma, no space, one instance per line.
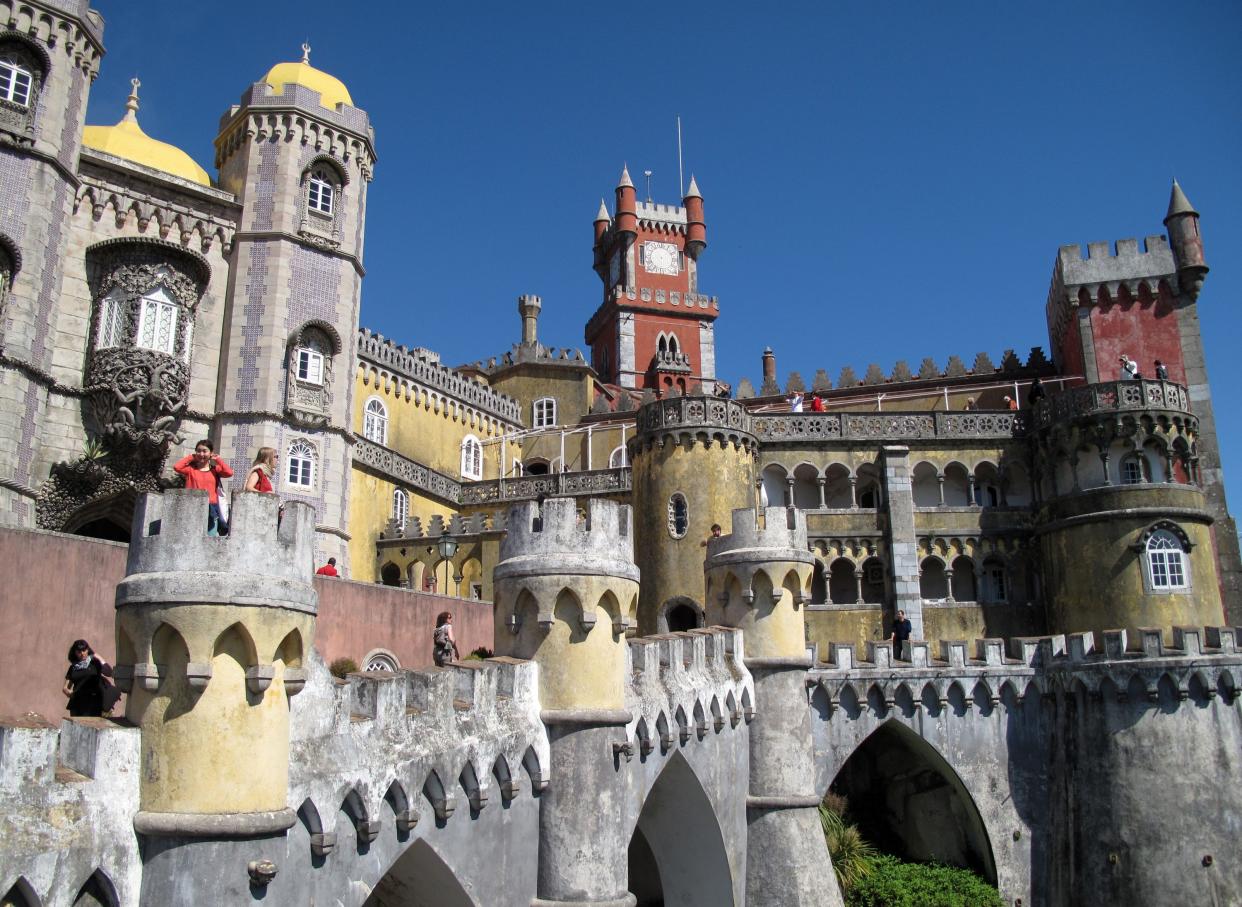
(892,883)
(851,854)
(342,666)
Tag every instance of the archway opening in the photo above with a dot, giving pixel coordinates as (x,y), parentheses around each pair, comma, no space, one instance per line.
(419,878)
(390,574)
(682,617)
(677,852)
(907,801)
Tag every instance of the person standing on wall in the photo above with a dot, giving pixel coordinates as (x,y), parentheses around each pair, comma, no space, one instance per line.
(203,471)
(443,643)
(88,685)
(902,629)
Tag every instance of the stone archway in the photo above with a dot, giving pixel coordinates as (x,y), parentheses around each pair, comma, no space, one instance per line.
(677,852)
(419,878)
(679,614)
(908,801)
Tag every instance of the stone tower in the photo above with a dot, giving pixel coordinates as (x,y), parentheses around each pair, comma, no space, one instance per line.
(211,633)
(565,591)
(1143,302)
(758,578)
(298,155)
(55,49)
(693,464)
(654,329)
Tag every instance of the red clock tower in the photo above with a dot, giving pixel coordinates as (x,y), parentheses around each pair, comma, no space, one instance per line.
(654,329)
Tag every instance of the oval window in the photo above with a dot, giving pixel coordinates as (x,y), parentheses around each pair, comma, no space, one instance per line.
(678,515)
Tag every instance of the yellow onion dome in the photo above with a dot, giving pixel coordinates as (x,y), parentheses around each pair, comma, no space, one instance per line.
(127,140)
(332,91)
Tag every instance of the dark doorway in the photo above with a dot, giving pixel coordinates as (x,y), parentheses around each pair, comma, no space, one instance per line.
(390,575)
(105,529)
(681,618)
(908,801)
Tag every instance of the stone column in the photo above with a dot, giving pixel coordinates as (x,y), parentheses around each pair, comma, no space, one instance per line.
(751,584)
(211,633)
(821,481)
(903,546)
(578,640)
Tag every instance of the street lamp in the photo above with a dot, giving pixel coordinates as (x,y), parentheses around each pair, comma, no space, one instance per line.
(447,547)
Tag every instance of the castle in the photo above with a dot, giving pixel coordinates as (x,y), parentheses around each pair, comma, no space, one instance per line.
(668,706)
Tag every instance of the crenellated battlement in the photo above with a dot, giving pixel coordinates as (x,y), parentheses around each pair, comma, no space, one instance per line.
(779,536)
(687,684)
(465,733)
(1124,260)
(556,536)
(1202,664)
(267,558)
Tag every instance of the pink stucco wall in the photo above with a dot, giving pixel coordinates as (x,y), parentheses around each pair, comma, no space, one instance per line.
(57,588)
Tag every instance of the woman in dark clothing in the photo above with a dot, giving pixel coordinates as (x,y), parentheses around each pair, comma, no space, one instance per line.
(90,695)
(443,643)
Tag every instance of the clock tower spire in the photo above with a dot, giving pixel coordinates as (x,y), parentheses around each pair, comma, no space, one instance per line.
(654,329)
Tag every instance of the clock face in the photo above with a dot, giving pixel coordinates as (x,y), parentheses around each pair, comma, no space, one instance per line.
(660,258)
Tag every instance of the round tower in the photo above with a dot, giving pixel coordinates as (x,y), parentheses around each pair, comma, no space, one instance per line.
(565,591)
(696,227)
(1182,222)
(757,579)
(210,639)
(693,464)
(627,205)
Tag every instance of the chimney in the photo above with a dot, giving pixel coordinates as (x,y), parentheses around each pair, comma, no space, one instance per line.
(528,307)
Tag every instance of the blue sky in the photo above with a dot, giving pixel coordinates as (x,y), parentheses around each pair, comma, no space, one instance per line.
(882,181)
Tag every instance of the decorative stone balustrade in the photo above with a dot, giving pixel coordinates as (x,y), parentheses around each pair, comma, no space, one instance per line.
(560,484)
(1111,398)
(880,427)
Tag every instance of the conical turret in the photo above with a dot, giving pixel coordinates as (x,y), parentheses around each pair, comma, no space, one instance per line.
(627,204)
(696,228)
(1182,222)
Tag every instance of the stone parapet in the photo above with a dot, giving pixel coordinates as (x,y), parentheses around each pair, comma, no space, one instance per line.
(686,685)
(588,482)
(895,426)
(555,539)
(1112,399)
(404,471)
(780,536)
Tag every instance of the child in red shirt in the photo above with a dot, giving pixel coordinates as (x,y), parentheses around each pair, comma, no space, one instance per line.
(203,471)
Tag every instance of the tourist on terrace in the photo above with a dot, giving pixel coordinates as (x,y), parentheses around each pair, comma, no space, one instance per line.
(203,471)
(262,470)
(88,685)
(1010,402)
(443,643)
(795,403)
(1162,371)
(1035,393)
(1129,368)
(902,629)
(328,569)
(971,405)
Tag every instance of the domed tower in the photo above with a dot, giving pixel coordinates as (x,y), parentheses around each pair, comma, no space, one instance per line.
(565,591)
(693,464)
(51,51)
(758,577)
(210,639)
(299,155)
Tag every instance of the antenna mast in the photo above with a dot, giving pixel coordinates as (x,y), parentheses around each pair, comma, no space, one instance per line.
(681,178)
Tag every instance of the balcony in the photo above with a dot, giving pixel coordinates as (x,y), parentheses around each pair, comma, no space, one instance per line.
(1112,398)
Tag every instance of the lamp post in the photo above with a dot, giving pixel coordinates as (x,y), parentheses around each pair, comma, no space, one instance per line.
(447,547)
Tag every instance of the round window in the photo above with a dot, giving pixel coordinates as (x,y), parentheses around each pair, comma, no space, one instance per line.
(381,661)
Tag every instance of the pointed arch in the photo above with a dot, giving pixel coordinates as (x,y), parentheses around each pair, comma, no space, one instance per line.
(21,894)
(909,801)
(420,869)
(236,642)
(677,848)
(97,891)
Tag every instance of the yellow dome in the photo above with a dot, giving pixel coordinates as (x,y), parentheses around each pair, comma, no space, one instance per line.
(332,91)
(127,140)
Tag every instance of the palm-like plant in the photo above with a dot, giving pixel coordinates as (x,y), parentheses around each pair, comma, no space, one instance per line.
(851,853)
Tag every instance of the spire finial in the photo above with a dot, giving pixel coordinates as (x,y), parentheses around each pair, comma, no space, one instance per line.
(693,191)
(306,49)
(131,103)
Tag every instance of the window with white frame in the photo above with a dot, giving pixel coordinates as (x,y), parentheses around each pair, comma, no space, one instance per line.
(300,460)
(16,81)
(400,508)
(157,322)
(375,421)
(320,192)
(471,458)
(111,321)
(309,365)
(1166,562)
(544,415)
(616,459)
(994,587)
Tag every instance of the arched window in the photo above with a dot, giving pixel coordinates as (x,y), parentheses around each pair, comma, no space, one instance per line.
(300,460)
(678,516)
(662,343)
(381,660)
(111,321)
(1166,562)
(400,508)
(1132,471)
(321,191)
(16,80)
(544,415)
(471,458)
(375,421)
(157,322)
(616,459)
(673,346)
